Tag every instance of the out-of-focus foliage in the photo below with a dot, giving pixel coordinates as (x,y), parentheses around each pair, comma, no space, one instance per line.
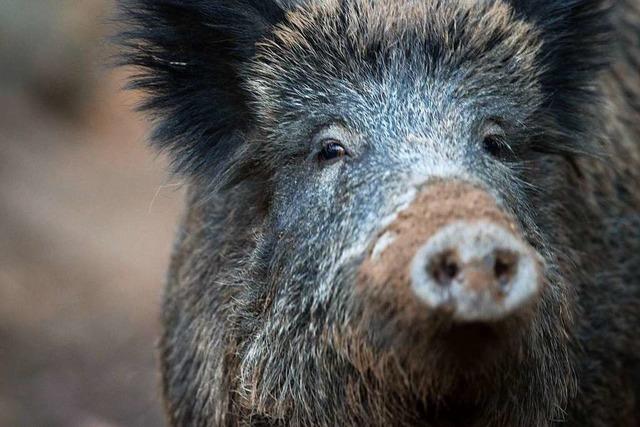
(48,48)
(86,222)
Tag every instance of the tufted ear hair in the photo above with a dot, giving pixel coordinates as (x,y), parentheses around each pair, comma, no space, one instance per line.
(577,46)
(188,55)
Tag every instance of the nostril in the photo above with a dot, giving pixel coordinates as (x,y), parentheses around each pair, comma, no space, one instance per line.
(444,267)
(505,266)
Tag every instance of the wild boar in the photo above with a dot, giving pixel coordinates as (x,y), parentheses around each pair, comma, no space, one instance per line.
(399,212)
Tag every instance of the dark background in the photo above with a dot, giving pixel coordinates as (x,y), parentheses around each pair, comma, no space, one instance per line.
(87,215)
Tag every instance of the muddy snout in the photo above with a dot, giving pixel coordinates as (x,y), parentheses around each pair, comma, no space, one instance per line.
(453,250)
(477,270)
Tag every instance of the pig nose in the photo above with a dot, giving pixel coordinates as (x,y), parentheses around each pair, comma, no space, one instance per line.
(478,271)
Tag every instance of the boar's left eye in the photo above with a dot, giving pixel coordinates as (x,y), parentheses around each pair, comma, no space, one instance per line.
(332,150)
(492,145)
(493,139)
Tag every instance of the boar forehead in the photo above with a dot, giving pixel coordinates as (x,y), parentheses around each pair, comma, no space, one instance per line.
(401,60)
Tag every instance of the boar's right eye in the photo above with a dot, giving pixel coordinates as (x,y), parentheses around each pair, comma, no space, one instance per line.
(331,151)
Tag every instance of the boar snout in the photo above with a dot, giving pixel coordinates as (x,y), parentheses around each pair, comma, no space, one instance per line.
(456,252)
(477,271)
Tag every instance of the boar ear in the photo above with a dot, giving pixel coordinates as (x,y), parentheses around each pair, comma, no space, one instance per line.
(576,37)
(188,55)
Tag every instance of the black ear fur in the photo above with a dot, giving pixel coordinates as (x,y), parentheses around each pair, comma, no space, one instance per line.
(188,54)
(577,46)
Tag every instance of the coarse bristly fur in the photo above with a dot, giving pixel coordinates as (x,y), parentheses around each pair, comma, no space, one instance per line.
(263,323)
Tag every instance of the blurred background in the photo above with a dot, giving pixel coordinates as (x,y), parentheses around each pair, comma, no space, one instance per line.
(87,215)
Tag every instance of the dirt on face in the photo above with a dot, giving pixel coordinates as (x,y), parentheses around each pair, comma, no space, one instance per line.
(386,271)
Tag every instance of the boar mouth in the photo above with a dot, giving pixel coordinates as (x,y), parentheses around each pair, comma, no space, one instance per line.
(479,343)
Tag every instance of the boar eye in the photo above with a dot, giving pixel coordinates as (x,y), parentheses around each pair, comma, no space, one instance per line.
(493,141)
(332,150)
(492,145)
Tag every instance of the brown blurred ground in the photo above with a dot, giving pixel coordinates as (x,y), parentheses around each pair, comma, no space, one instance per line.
(87,215)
